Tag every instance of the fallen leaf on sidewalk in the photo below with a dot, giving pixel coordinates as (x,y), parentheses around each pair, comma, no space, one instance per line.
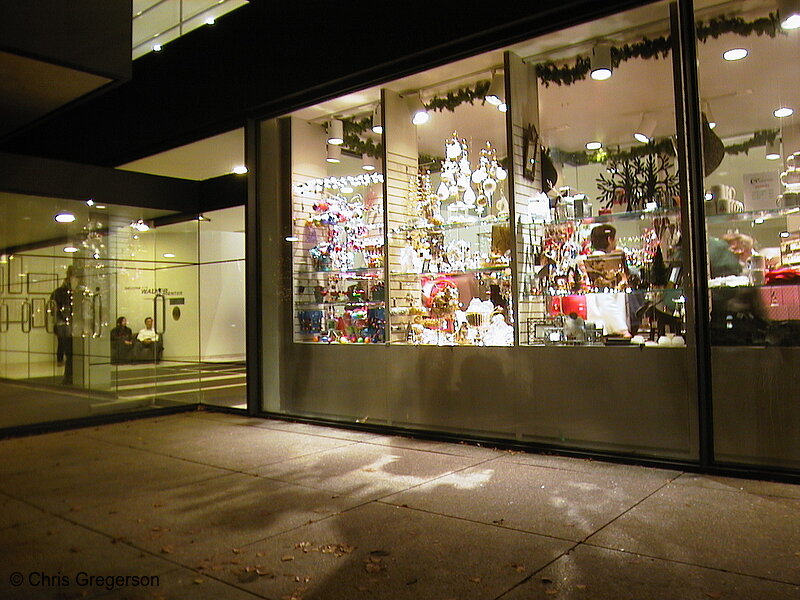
(167,549)
(715,595)
(287,558)
(518,568)
(199,580)
(475,579)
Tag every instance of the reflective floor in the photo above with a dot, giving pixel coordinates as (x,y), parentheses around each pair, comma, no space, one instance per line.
(209,505)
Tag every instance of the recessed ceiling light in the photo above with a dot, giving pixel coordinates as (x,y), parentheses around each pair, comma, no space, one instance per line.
(784,234)
(783,111)
(168,255)
(773,156)
(100,206)
(594,145)
(292,238)
(156,47)
(502,107)
(240,169)
(759,221)
(90,202)
(640,137)
(65,217)
(735,54)
(210,21)
(70,249)
(712,124)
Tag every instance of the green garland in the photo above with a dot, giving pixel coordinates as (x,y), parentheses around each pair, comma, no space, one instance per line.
(663,146)
(659,47)
(760,138)
(459,97)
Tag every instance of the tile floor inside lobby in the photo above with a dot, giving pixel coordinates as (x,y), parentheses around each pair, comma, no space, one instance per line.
(217,506)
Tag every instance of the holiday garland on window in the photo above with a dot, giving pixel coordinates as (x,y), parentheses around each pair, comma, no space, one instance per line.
(659,47)
(549,72)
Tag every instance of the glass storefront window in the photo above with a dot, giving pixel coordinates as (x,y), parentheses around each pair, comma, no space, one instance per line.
(751,139)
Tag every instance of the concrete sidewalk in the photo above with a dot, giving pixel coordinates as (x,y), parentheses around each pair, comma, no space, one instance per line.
(209,505)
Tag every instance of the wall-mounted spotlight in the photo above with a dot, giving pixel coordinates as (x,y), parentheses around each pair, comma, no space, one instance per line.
(789,13)
(773,149)
(497,90)
(601,62)
(377,119)
(419,114)
(334,154)
(647,126)
(240,169)
(336,132)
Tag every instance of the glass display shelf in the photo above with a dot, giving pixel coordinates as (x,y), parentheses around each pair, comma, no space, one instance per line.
(491,269)
(477,222)
(754,215)
(637,215)
(337,304)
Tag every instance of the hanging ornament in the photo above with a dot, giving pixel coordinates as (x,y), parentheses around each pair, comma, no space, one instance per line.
(453,149)
(443,192)
(469,196)
(500,173)
(489,186)
(479,175)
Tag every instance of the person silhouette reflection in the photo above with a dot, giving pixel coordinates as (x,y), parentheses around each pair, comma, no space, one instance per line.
(62,298)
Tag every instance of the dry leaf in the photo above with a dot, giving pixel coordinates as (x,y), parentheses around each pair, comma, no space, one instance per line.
(287,557)
(551,591)
(499,521)
(362,588)
(199,580)
(259,554)
(265,574)
(379,553)
(715,595)
(475,579)
(581,586)
(157,505)
(518,568)
(546,580)
(167,549)
(371,567)
(236,550)
(411,581)
(368,470)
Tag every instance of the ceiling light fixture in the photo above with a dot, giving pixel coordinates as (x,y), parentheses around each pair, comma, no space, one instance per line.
(168,255)
(712,123)
(502,107)
(156,47)
(90,202)
(140,226)
(497,90)
(594,145)
(64,217)
(336,132)
(773,149)
(334,154)
(368,162)
(789,13)
(419,114)
(70,249)
(784,234)
(783,111)
(647,126)
(735,54)
(601,62)
(210,21)
(377,119)
(240,169)
(100,206)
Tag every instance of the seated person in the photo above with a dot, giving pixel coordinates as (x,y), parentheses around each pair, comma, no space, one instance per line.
(148,342)
(121,342)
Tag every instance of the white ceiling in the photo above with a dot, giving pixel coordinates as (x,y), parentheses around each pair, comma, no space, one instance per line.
(199,160)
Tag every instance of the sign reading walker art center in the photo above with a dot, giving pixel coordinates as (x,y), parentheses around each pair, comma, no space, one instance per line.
(162,291)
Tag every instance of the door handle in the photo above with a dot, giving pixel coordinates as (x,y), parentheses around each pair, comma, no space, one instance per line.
(162,319)
(50,316)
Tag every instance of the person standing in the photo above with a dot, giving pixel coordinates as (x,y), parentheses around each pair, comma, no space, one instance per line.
(62,297)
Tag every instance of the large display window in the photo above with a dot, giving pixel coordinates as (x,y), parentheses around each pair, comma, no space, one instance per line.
(751,145)
(511,240)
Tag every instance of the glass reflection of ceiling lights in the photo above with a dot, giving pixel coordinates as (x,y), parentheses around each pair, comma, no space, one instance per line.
(157,22)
